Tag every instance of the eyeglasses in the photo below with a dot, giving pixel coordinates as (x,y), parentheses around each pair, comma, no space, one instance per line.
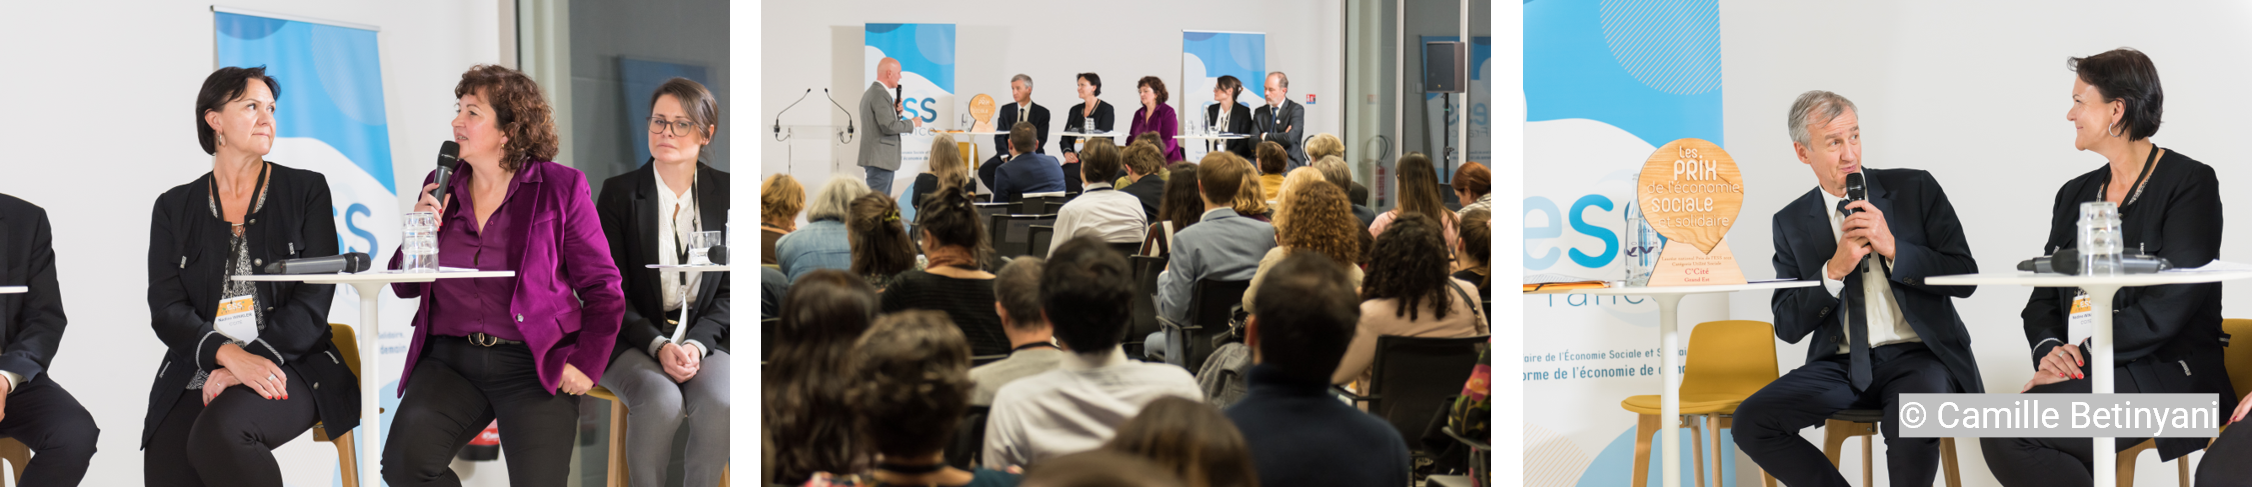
(681,128)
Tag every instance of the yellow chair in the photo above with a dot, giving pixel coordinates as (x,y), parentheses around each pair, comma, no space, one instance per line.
(348,349)
(1863,423)
(16,454)
(1728,361)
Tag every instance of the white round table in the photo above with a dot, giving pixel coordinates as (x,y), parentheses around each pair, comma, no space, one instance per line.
(1212,140)
(2100,292)
(1669,397)
(1112,134)
(369,284)
(14,289)
(680,329)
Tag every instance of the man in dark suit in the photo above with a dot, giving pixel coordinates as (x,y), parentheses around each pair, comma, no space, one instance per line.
(1282,121)
(1023,110)
(33,408)
(1879,330)
(1026,172)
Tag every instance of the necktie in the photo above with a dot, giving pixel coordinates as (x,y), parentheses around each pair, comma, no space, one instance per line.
(1857,328)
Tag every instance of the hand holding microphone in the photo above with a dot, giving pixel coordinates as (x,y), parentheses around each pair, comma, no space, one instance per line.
(434,195)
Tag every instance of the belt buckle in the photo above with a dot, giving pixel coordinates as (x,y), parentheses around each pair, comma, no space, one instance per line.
(483,340)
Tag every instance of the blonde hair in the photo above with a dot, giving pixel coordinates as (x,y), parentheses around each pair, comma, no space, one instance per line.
(1323,145)
(946,163)
(1289,191)
(1251,198)
(780,199)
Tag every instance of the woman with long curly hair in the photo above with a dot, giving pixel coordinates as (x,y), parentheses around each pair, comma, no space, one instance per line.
(1314,218)
(809,423)
(1408,293)
(880,248)
(1180,207)
(1191,440)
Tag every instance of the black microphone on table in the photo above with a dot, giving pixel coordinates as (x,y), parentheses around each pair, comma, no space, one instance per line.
(449,155)
(717,254)
(2067,262)
(351,262)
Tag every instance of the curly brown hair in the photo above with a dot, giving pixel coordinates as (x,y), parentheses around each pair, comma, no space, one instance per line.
(1318,219)
(520,111)
(1409,263)
(913,383)
(804,405)
(880,247)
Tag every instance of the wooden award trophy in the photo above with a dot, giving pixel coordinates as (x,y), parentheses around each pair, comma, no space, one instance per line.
(1690,192)
(981,113)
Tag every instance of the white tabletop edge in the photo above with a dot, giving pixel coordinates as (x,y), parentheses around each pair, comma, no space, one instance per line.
(14,289)
(373,277)
(2061,280)
(1650,290)
(1212,137)
(704,268)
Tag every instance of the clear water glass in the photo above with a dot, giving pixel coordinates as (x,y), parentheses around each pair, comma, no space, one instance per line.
(1643,244)
(421,242)
(700,247)
(2099,242)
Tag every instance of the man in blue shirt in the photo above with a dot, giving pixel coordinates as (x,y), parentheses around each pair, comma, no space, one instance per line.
(1299,434)
(1026,171)
(1223,246)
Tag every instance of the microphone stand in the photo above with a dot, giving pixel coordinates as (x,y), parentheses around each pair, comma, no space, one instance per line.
(789,151)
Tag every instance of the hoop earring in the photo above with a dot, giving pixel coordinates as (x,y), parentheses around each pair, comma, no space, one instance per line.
(2112,130)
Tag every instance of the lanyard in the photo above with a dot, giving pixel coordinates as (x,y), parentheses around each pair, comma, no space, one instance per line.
(679,241)
(2150,165)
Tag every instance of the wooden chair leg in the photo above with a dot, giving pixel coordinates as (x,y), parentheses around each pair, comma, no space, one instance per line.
(1720,458)
(2126,462)
(1947,463)
(1868,460)
(617,457)
(16,454)
(1643,429)
(1697,444)
(2183,464)
(345,461)
(1834,434)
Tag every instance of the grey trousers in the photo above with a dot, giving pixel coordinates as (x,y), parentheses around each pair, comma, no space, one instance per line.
(655,408)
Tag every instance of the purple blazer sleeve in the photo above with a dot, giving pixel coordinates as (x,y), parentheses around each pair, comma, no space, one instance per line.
(587,268)
(1167,124)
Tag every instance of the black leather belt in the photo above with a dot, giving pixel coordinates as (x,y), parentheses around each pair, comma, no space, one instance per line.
(483,340)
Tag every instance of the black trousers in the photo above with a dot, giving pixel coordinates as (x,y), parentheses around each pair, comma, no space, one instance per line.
(2054,461)
(1767,424)
(59,431)
(230,442)
(2229,460)
(458,388)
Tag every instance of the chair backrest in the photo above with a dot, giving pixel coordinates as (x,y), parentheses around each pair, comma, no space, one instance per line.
(347,345)
(1729,357)
(1041,205)
(1126,248)
(2239,359)
(987,210)
(1411,376)
(968,443)
(1014,233)
(1143,310)
(1041,237)
(1210,307)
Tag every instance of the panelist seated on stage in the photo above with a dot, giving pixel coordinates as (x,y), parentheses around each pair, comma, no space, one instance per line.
(1878,330)
(1227,116)
(1282,121)
(1022,109)
(1090,114)
(38,412)
(1026,171)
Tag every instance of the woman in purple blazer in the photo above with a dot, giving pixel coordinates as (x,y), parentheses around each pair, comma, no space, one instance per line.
(502,348)
(1156,116)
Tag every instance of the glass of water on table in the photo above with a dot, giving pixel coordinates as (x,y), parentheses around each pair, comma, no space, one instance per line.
(700,247)
(421,242)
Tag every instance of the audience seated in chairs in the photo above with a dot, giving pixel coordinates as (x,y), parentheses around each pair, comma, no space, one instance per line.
(1224,245)
(1419,194)
(1191,440)
(822,243)
(1313,217)
(1104,212)
(1333,168)
(1272,157)
(1026,171)
(881,252)
(911,385)
(1408,293)
(1084,292)
(1144,177)
(805,404)
(1031,340)
(1472,249)
(1300,434)
(953,279)
(1181,206)
(780,199)
(1473,185)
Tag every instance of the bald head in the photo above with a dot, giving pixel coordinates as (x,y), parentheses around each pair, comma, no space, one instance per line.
(887,72)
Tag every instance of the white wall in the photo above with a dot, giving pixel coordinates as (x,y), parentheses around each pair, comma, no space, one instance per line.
(1976,93)
(819,45)
(98,125)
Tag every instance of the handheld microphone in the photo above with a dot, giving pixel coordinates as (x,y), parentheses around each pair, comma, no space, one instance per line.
(2067,262)
(351,262)
(717,254)
(1856,189)
(449,155)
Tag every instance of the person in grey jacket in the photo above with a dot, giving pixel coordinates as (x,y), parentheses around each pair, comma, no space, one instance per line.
(879,153)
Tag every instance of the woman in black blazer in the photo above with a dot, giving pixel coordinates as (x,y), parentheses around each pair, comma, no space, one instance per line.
(1239,116)
(233,388)
(1089,113)
(647,213)
(2167,339)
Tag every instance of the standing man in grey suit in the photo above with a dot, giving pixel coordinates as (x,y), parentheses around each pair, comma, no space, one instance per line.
(879,152)
(1281,121)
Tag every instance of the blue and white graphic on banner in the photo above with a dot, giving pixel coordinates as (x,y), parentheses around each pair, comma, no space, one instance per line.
(926,81)
(1205,57)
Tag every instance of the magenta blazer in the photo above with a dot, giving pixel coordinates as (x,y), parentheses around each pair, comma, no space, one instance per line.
(1165,124)
(566,261)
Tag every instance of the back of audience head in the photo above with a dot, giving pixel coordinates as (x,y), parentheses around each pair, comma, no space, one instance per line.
(880,246)
(1024,137)
(1307,316)
(1318,219)
(1334,170)
(1471,181)
(1251,197)
(1419,188)
(1220,177)
(821,317)
(946,163)
(912,383)
(1474,237)
(1190,439)
(1324,145)
(1295,179)
(1098,161)
(1152,139)
(1016,294)
(780,199)
(1085,289)
(1098,468)
(1183,203)
(1144,159)
(835,199)
(1272,157)
(950,222)
(1409,263)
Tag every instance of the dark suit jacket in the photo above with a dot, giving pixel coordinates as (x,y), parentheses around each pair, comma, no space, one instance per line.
(31,323)
(1287,129)
(628,208)
(1151,190)
(1239,122)
(1928,241)
(188,254)
(1008,120)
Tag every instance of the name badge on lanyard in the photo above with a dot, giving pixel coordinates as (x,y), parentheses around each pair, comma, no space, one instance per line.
(238,318)
(2083,320)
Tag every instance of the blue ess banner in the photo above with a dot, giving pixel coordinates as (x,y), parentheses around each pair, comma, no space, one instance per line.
(926,61)
(1205,57)
(329,118)
(1606,83)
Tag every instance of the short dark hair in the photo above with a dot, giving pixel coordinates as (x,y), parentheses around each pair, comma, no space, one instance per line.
(1023,136)
(1096,81)
(912,382)
(1272,157)
(1099,161)
(1085,290)
(1017,289)
(703,110)
(1155,85)
(1222,175)
(1307,315)
(1098,468)
(951,218)
(2127,75)
(225,85)
(1473,177)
